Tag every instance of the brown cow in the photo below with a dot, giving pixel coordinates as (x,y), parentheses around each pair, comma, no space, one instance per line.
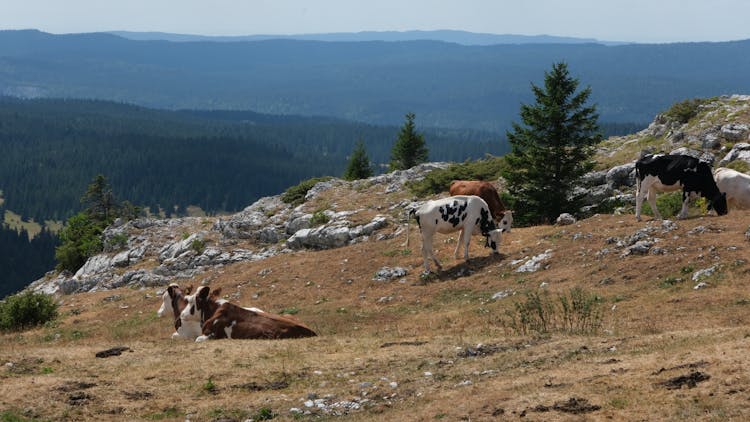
(227,320)
(482,189)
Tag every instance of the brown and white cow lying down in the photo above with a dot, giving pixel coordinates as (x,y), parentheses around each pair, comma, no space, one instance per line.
(736,185)
(482,189)
(469,214)
(221,319)
(174,300)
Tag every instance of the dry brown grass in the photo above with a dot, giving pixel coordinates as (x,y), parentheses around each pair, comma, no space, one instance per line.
(416,333)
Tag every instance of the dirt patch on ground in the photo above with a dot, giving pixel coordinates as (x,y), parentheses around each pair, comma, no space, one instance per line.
(691,380)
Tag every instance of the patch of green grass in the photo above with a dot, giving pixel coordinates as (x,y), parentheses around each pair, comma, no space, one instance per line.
(167,413)
(397,252)
(671,282)
(232,414)
(131,327)
(290,311)
(209,386)
(16,416)
(578,312)
(618,403)
(264,414)
(739,165)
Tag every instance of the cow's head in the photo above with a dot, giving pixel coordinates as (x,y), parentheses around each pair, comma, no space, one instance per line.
(719,203)
(173,300)
(493,239)
(506,221)
(200,305)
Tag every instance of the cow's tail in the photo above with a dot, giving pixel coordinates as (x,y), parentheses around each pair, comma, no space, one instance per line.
(637,180)
(412,212)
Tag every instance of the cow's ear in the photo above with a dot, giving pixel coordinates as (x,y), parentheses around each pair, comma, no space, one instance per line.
(203,293)
(216,293)
(170,290)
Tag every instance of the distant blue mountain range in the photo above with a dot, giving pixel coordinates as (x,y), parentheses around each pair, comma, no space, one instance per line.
(458,37)
(445,84)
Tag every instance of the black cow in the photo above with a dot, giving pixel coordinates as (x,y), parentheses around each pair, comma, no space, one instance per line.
(667,173)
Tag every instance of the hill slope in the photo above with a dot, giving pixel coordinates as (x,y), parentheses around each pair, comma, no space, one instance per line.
(606,319)
(409,347)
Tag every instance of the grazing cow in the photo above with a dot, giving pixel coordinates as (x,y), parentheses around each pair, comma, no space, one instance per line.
(469,214)
(221,319)
(174,300)
(735,185)
(484,190)
(667,173)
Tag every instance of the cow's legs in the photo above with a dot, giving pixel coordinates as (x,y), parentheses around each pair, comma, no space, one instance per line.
(685,202)
(459,242)
(427,253)
(652,203)
(466,240)
(640,193)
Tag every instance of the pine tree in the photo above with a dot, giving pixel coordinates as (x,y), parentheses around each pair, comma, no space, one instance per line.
(552,150)
(100,201)
(409,149)
(359,166)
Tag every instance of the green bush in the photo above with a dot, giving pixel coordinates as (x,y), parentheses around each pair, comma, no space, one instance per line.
(685,110)
(25,310)
(319,218)
(439,180)
(295,195)
(198,245)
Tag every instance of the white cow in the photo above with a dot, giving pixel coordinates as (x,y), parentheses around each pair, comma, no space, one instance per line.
(469,214)
(174,301)
(736,185)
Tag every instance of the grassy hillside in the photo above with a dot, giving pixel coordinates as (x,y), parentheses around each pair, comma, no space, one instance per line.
(437,348)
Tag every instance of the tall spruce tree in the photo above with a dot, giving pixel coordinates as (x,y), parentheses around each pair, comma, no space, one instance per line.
(409,149)
(359,166)
(552,149)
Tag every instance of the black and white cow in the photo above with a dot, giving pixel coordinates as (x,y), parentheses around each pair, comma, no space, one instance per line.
(667,173)
(469,214)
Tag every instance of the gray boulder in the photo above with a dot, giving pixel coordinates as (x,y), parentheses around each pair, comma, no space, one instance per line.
(622,175)
(735,132)
(740,151)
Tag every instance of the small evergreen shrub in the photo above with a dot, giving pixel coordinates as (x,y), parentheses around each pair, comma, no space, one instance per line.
(295,195)
(27,309)
(319,218)
(440,180)
(198,245)
(683,111)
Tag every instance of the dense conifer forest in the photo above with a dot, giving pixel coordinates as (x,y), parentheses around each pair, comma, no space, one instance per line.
(24,260)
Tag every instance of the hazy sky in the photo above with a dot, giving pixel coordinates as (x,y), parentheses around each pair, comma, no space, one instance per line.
(611,20)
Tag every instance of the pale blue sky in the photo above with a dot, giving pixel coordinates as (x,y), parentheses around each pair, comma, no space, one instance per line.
(613,20)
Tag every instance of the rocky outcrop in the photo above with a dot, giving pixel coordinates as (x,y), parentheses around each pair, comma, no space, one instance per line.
(151,252)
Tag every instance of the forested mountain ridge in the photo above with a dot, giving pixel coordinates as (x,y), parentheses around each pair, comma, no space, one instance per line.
(218,160)
(444,84)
